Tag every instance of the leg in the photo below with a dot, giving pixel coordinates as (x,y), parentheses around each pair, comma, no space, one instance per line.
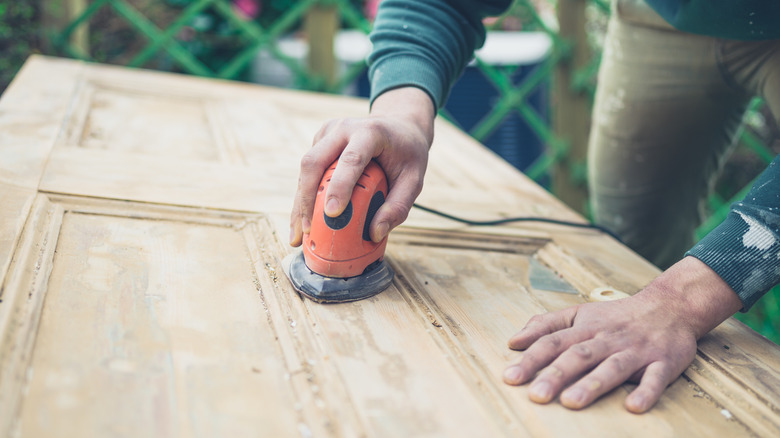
(754,68)
(663,121)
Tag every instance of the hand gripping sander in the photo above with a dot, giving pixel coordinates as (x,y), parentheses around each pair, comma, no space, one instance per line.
(339,261)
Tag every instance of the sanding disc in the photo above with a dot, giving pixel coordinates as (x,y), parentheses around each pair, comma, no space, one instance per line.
(336,290)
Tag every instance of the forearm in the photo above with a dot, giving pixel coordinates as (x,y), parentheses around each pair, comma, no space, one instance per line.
(745,249)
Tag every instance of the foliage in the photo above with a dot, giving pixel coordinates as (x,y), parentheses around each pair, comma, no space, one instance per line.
(764,317)
(18,37)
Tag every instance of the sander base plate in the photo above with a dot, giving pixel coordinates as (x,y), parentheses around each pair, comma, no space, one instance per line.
(336,290)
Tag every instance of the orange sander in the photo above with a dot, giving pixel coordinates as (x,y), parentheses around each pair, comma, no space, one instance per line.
(339,261)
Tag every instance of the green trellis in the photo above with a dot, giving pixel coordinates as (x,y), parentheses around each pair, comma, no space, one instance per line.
(560,147)
(256,37)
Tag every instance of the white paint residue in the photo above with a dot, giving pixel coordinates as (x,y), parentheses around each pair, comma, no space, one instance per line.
(726,414)
(614,103)
(757,235)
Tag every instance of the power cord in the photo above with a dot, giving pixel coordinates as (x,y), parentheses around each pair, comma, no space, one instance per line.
(518,219)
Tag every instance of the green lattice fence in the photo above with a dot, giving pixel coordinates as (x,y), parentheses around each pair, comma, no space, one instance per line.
(214,38)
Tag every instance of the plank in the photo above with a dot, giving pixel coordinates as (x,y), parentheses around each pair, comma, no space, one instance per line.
(16,202)
(106,174)
(35,90)
(32,110)
(452,285)
(23,291)
(138,330)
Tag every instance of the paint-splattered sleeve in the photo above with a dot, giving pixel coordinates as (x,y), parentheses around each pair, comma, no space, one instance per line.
(426,43)
(745,249)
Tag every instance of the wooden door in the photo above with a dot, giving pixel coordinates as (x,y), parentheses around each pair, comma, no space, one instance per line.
(143,222)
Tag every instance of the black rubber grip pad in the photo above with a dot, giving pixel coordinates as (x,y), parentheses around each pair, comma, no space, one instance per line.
(340,221)
(376,201)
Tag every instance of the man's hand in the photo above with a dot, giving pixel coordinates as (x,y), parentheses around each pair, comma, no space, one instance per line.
(649,338)
(397,133)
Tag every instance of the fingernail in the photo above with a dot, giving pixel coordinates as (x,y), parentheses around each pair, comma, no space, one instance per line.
(332,206)
(513,375)
(540,392)
(305,225)
(637,404)
(573,397)
(381,231)
(292,235)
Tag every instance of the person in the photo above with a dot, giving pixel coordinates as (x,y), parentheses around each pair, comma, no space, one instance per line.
(674,80)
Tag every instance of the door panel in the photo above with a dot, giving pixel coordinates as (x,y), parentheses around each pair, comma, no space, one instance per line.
(143,223)
(150,312)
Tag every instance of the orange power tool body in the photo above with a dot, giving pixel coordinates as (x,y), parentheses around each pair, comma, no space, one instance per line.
(339,261)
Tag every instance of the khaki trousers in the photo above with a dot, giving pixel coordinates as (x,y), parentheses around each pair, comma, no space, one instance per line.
(667,110)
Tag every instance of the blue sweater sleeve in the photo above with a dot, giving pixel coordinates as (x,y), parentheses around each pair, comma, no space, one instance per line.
(426,43)
(745,249)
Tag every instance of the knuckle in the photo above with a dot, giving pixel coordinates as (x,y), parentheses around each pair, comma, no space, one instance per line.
(396,211)
(593,384)
(378,130)
(581,351)
(333,124)
(375,126)
(309,161)
(351,158)
(552,372)
(416,180)
(617,363)
(536,319)
(530,361)
(552,340)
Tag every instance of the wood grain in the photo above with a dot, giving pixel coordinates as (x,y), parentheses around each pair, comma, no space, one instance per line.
(143,226)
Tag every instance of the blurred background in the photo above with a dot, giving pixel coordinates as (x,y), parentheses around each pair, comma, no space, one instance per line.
(527,95)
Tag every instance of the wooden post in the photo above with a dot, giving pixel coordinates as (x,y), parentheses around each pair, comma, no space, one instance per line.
(322,23)
(55,17)
(571,109)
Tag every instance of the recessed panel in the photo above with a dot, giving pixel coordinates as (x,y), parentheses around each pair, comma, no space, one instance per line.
(146,123)
(154,325)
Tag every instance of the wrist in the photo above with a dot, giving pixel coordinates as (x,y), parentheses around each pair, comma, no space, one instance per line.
(694,294)
(410,104)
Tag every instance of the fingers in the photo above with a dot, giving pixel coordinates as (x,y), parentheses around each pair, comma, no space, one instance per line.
(313,166)
(351,165)
(610,366)
(296,235)
(399,202)
(541,354)
(612,372)
(587,352)
(541,325)
(328,144)
(571,364)
(655,380)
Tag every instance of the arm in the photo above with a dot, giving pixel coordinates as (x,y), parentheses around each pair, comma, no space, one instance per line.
(745,249)
(420,48)
(651,337)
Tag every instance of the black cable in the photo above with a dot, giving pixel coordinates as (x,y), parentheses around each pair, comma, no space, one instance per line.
(518,219)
